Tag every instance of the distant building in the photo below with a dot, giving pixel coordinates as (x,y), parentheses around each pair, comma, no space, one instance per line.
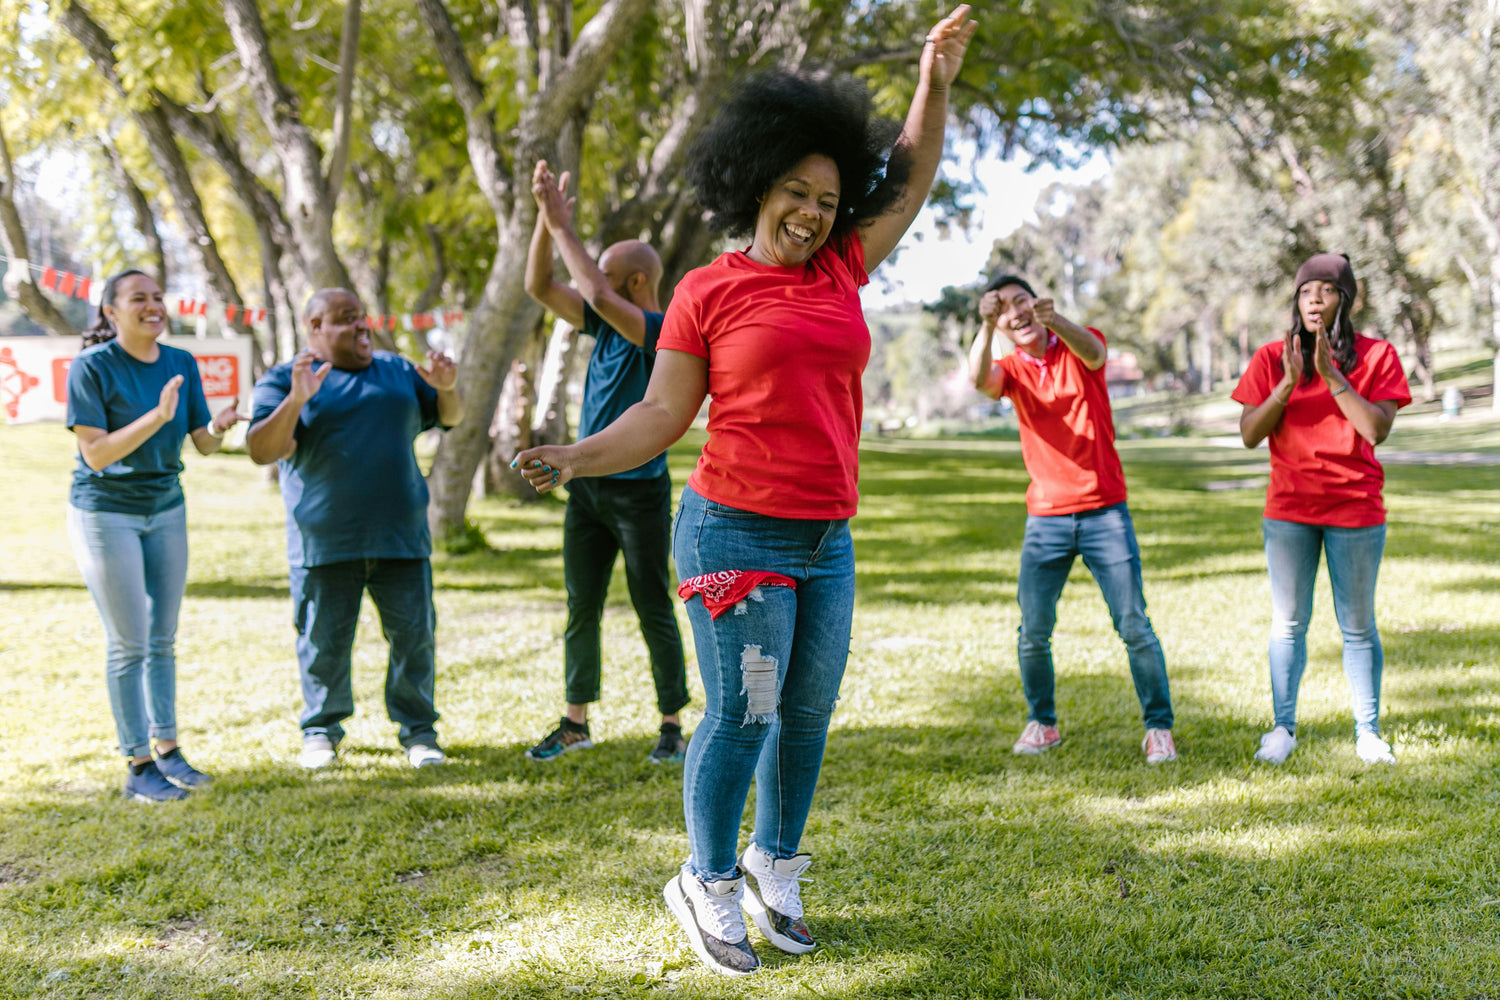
(1123,375)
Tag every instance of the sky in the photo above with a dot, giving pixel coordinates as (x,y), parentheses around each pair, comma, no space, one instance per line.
(928,261)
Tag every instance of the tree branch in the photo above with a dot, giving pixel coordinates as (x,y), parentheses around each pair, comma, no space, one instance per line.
(338,159)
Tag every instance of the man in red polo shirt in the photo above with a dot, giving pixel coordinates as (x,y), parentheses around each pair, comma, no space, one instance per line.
(1075,505)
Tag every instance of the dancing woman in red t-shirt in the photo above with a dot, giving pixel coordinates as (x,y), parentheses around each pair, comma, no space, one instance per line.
(1325,396)
(775,334)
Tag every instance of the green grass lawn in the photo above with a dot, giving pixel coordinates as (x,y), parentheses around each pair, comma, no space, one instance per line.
(944,865)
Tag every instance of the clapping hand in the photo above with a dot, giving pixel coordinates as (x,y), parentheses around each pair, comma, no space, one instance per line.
(306,381)
(1323,355)
(943,53)
(166,406)
(552,197)
(226,418)
(441,373)
(1044,311)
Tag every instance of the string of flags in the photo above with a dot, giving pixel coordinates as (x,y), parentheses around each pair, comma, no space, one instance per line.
(84,287)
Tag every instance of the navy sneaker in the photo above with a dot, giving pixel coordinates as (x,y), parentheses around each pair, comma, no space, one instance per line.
(150,785)
(568,735)
(671,747)
(175,766)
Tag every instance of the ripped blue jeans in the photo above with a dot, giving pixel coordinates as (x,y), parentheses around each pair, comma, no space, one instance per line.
(766,720)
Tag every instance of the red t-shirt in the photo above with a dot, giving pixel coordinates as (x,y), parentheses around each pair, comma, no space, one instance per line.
(1067,430)
(1322,471)
(786,347)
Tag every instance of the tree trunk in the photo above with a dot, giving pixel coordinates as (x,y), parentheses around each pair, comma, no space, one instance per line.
(152,119)
(140,207)
(309,196)
(505,316)
(18,283)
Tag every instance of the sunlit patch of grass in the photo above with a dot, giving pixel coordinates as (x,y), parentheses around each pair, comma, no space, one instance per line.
(945,865)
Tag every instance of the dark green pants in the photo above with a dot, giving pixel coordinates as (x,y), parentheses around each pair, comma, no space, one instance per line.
(607,517)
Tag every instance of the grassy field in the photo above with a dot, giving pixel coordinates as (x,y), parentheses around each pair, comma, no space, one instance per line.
(944,865)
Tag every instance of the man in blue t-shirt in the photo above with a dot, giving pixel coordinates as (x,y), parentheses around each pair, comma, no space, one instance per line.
(340,419)
(616,303)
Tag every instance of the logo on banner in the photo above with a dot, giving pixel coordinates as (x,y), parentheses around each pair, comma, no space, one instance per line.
(220,374)
(14,383)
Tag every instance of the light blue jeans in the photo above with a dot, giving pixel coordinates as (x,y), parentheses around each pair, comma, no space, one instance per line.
(776,737)
(1292,553)
(135,566)
(1105,538)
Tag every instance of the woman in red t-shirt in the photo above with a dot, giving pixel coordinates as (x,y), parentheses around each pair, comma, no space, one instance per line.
(776,336)
(1325,396)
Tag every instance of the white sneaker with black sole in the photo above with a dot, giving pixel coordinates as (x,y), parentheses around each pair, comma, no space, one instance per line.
(710,913)
(773,897)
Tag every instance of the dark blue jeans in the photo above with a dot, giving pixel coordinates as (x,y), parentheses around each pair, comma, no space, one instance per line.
(1105,538)
(766,720)
(607,517)
(327,599)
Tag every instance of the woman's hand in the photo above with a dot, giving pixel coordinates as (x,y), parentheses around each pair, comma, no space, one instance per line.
(1291,361)
(1323,360)
(546,468)
(943,53)
(166,406)
(226,418)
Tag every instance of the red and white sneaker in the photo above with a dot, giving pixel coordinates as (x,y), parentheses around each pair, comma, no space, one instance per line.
(1158,746)
(1036,737)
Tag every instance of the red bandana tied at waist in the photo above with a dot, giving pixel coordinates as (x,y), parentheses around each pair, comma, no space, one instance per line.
(723,590)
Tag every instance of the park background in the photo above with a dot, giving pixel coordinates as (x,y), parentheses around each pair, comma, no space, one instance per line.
(247,153)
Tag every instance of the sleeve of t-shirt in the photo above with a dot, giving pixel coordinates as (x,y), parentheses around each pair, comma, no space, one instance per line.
(682,329)
(653,335)
(85,396)
(1389,381)
(269,391)
(426,396)
(1257,381)
(198,412)
(851,250)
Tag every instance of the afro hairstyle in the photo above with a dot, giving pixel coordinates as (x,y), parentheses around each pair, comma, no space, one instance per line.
(777,119)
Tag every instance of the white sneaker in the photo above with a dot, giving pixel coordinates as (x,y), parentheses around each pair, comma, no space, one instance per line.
(773,897)
(318,752)
(425,755)
(1276,746)
(710,913)
(1373,750)
(1158,746)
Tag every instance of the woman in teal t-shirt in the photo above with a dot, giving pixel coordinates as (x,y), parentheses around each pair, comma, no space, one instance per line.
(131,401)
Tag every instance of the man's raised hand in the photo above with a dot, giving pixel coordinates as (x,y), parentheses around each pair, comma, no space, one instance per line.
(306,380)
(551,196)
(441,373)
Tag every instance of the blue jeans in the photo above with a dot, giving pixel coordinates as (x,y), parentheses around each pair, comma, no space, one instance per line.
(135,566)
(1292,552)
(1105,538)
(327,599)
(776,737)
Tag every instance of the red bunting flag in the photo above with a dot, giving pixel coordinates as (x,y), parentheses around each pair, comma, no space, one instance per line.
(260,315)
(65,286)
(49,279)
(186,307)
(230,312)
(84,284)
(390,322)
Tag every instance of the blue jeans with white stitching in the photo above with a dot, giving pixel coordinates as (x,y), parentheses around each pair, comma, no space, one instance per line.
(805,631)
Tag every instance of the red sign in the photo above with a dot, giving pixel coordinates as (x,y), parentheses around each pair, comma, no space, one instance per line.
(220,374)
(60,379)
